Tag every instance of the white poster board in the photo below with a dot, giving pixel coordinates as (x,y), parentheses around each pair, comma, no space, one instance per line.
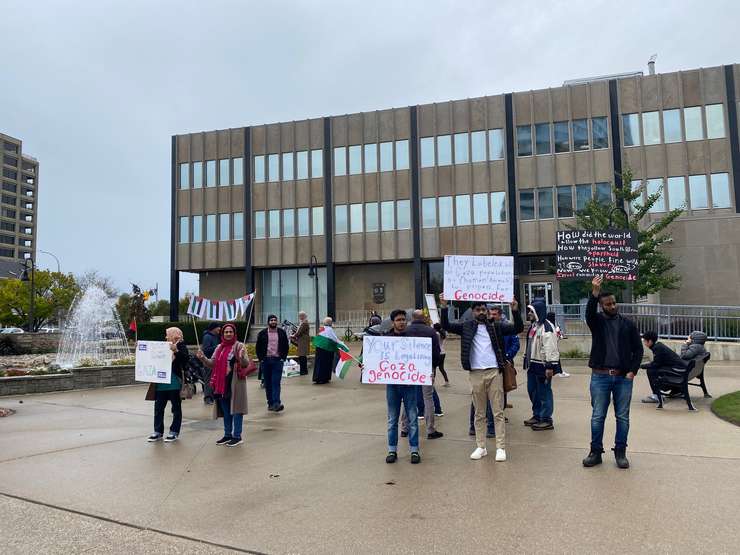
(153,362)
(432,307)
(397,360)
(479,278)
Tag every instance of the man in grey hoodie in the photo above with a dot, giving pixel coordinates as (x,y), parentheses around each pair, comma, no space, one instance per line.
(694,346)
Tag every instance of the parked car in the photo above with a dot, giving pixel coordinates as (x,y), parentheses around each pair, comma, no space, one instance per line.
(48,329)
(11,330)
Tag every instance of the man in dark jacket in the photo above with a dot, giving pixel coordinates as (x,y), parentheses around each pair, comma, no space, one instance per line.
(211,340)
(664,359)
(616,353)
(272,351)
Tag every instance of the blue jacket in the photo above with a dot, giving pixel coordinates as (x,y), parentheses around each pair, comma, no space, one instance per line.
(511,345)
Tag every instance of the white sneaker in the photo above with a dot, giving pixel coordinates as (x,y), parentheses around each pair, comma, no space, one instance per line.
(563,374)
(500,455)
(478,454)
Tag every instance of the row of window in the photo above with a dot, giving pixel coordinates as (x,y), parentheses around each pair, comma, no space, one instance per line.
(288,166)
(562,136)
(224,172)
(372,216)
(13,188)
(10,226)
(477,146)
(460,210)
(10,213)
(290,222)
(371,158)
(672,130)
(10,147)
(196,229)
(10,240)
(12,200)
(562,201)
(673,192)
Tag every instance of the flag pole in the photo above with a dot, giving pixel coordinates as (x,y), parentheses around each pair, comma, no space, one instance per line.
(195,328)
(249,320)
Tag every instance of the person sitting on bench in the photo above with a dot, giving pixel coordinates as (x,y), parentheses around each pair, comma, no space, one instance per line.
(694,348)
(664,359)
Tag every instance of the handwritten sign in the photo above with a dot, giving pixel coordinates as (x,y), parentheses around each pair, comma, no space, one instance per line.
(432,307)
(479,278)
(583,254)
(153,362)
(397,360)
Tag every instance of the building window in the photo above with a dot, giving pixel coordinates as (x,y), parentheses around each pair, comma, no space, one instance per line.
(287,291)
(340,219)
(197,229)
(184,229)
(223,227)
(274,223)
(259,225)
(672,126)
(223,172)
(403,214)
(303,224)
(495,144)
(355,218)
(478,146)
(462,210)
(676,192)
(197,175)
(444,150)
(10,226)
(544,204)
(211,227)
(720,189)
(7,199)
(498,207)
(386,157)
(583,195)
(631,129)
(698,192)
(565,201)
(302,164)
(371,158)
(317,163)
(480,208)
(428,212)
(655,186)
(715,121)
(273,168)
(526,205)
(184,176)
(462,155)
(693,123)
(445,212)
(580,134)
(259,169)
(287,166)
(427,152)
(8,253)
(371,217)
(542,138)
(238,226)
(10,174)
(402,155)
(12,188)
(317,220)
(524,140)
(26,230)
(599,133)
(387,216)
(604,193)
(210,173)
(651,128)
(7,240)
(288,222)
(7,213)
(237,177)
(340,160)
(561,130)
(355,160)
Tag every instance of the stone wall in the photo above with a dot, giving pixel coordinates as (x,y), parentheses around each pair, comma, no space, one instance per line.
(80,378)
(34,343)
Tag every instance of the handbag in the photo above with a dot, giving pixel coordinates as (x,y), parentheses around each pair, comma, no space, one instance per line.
(507,367)
(187,390)
(251,368)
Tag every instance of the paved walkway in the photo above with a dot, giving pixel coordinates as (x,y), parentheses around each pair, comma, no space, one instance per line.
(76,475)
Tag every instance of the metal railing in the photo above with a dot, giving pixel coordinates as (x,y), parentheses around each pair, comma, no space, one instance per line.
(720,323)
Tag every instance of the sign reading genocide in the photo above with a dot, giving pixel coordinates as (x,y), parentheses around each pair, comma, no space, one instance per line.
(479,278)
(584,253)
(153,362)
(397,360)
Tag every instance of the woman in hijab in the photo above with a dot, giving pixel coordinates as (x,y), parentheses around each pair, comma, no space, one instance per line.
(160,393)
(229,383)
(324,359)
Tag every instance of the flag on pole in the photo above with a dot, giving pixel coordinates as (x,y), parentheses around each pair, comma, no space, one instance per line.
(228,310)
(328,341)
(196,305)
(132,327)
(343,366)
(242,304)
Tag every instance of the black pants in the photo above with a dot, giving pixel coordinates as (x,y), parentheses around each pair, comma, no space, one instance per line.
(303,363)
(160,402)
(441,366)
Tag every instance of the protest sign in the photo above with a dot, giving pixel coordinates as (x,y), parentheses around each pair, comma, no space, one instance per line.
(479,278)
(585,253)
(153,362)
(397,360)
(432,307)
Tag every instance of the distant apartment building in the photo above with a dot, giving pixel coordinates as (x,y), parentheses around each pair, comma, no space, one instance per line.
(18,204)
(380,197)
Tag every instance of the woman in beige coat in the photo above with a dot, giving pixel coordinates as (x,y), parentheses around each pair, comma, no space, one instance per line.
(229,383)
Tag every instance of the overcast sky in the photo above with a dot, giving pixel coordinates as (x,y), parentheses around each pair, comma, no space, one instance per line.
(96,88)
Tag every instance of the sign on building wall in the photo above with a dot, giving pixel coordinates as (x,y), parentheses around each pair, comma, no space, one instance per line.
(584,253)
(397,360)
(479,278)
(378,293)
(153,362)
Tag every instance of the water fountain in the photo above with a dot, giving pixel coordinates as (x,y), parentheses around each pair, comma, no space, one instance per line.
(92,334)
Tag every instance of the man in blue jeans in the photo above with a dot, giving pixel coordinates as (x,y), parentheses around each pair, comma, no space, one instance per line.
(272,351)
(616,353)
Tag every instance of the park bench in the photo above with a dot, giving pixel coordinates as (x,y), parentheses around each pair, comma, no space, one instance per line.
(676,383)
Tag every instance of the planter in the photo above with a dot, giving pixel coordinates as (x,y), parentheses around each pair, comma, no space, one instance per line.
(103,376)
(80,378)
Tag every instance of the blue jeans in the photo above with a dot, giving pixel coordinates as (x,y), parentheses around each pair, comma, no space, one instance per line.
(603,388)
(232,422)
(491,426)
(272,371)
(394,394)
(540,393)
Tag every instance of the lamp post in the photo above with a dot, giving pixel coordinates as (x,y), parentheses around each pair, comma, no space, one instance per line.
(59,267)
(313,272)
(24,277)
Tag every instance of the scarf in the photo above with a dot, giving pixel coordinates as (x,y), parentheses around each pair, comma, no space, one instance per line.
(328,331)
(221,364)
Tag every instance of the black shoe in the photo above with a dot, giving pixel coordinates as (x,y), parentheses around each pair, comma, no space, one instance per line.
(154,437)
(530,421)
(594,458)
(415,458)
(621,457)
(391,458)
(224,440)
(170,438)
(404,434)
(271,408)
(435,435)
(539,426)
(471,432)
(490,435)
(279,408)
(234,441)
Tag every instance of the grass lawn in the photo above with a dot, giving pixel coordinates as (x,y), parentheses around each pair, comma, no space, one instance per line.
(727,407)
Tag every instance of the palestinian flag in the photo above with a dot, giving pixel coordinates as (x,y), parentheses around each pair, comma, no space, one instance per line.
(196,306)
(328,343)
(345,361)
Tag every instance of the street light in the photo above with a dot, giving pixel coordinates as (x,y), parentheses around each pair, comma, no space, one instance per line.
(313,272)
(24,277)
(55,258)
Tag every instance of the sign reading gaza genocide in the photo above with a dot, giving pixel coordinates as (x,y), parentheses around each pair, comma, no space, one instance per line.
(585,253)
(397,360)
(153,362)
(479,278)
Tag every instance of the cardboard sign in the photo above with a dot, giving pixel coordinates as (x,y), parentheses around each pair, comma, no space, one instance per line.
(153,362)
(397,360)
(479,278)
(432,307)
(583,254)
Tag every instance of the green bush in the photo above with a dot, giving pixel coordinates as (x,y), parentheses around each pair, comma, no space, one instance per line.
(155,331)
(573,353)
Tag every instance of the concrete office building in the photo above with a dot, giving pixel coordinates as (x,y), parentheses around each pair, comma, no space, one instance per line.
(380,197)
(19,200)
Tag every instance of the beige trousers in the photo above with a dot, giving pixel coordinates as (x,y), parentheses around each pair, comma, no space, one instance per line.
(487,385)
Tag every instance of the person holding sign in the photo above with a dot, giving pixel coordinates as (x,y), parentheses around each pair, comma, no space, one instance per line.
(482,354)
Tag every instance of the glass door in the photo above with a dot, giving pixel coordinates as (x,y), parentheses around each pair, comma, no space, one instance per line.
(541,290)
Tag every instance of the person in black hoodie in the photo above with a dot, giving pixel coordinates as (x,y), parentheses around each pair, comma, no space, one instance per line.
(664,359)
(272,351)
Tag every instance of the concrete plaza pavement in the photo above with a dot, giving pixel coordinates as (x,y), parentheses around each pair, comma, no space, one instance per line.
(76,475)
